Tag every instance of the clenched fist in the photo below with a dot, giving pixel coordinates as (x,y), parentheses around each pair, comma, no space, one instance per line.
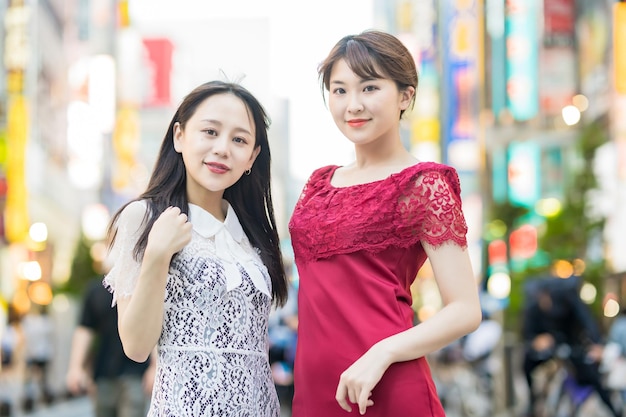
(169,234)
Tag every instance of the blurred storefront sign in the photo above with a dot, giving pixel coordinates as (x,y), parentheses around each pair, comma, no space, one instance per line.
(126,143)
(557,79)
(160,61)
(522,64)
(494,11)
(417,28)
(460,85)
(460,59)
(16,210)
(593,47)
(619,46)
(524,177)
(16,55)
(16,43)
(559,19)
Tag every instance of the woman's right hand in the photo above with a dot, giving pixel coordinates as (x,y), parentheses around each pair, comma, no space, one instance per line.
(169,234)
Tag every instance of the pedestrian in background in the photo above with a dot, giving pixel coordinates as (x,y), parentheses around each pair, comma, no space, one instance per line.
(360,233)
(38,331)
(98,365)
(196,261)
(556,316)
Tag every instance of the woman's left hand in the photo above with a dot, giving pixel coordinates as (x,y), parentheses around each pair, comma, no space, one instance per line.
(357,382)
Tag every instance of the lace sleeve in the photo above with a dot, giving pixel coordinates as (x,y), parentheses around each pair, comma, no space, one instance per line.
(432,208)
(124,268)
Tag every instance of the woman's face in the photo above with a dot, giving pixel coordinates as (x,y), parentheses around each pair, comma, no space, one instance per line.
(365,110)
(217,145)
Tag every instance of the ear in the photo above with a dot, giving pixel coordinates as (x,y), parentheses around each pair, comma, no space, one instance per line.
(406,96)
(177,137)
(255,153)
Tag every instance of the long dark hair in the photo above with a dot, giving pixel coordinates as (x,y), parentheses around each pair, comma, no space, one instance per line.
(250,196)
(375,54)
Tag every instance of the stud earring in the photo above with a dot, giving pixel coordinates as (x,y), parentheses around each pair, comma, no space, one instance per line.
(247,171)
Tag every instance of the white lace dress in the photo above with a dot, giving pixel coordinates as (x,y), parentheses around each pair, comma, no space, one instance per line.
(213,349)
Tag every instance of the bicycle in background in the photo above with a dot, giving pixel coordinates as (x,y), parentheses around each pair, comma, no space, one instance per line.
(558,393)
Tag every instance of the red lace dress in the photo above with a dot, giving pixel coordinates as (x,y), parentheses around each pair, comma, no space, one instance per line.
(357,250)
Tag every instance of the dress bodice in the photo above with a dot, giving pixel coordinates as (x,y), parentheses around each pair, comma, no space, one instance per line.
(421,202)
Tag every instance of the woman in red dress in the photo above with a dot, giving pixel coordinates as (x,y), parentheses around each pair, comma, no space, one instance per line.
(360,234)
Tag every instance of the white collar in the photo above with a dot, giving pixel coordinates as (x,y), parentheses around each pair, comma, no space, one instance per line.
(228,246)
(206,225)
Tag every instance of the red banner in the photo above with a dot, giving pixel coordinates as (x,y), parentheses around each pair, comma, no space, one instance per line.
(160,60)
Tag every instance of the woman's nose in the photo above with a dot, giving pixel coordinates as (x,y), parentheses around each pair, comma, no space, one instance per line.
(354,104)
(220,146)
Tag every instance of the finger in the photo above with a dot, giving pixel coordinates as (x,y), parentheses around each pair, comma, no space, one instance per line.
(364,400)
(353,396)
(340,396)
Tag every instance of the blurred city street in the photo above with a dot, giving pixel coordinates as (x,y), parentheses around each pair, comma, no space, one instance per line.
(525,99)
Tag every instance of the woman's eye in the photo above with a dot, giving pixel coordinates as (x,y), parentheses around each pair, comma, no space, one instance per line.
(240,140)
(339,91)
(371,88)
(210,132)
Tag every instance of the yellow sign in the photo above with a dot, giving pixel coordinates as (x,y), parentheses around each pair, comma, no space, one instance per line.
(126,142)
(3,150)
(16,210)
(619,46)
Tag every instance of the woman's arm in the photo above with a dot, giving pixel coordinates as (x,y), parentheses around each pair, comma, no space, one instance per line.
(459,316)
(140,316)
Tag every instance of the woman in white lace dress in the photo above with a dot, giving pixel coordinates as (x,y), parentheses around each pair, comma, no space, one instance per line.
(196,264)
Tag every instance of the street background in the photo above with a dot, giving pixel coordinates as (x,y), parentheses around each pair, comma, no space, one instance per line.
(525,98)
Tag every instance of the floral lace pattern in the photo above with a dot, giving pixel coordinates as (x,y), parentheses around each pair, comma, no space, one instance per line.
(422,203)
(212,353)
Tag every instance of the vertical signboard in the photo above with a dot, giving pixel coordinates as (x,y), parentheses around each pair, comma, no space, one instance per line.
(523,173)
(16,55)
(460,55)
(619,46)
(522,61)
(160,60)
(497,70)
(424,119)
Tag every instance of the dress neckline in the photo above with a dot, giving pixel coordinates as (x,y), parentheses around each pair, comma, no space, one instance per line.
(334,168)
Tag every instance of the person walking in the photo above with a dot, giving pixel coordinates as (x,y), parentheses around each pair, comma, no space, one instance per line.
(555,316)
(119,386)
(196,261)
(38,330)
(360,233)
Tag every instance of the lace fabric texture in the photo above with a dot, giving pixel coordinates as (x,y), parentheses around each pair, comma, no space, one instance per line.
(422,203)
(212,353)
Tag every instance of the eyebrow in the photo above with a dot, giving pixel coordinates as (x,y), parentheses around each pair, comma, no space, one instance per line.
(217,122)
(361,80)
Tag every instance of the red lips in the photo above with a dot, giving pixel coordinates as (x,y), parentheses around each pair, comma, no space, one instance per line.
(357,122)
(217,168)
